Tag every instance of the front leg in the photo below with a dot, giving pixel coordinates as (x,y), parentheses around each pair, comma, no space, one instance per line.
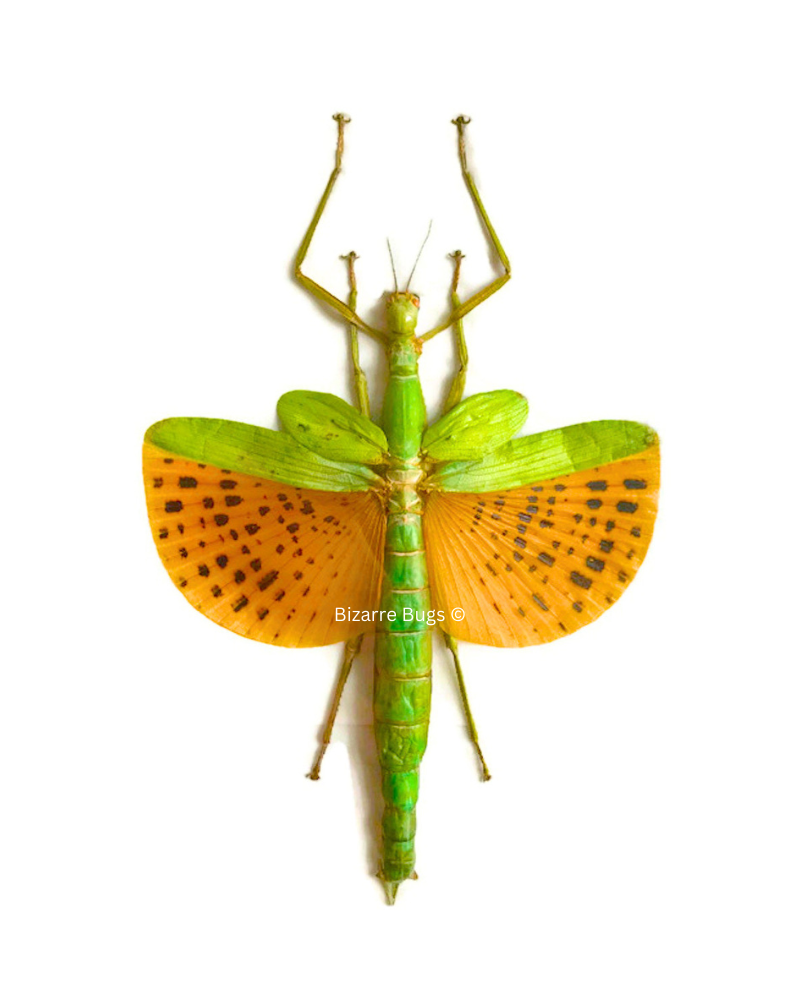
(480,296)
(311,286)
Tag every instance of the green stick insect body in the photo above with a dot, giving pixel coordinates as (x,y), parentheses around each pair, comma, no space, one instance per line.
(272,533)
(402,691)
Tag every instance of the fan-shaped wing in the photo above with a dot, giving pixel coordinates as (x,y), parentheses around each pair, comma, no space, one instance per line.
(529,565)
(269,561)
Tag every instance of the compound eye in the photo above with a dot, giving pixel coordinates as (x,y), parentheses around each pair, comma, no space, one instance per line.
(415,300)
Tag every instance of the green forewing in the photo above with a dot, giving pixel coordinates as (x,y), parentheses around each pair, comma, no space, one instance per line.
(476,426)
(331,427)
(544,456)
(257,451)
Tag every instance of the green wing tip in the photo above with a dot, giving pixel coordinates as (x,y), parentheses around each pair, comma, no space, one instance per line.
(391,891)
(651,437)
(152,431)
(172,432)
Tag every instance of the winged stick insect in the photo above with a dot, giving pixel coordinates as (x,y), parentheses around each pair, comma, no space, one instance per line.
(495,538)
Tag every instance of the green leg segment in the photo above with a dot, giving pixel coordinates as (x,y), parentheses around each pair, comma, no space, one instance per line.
(484,293)
(351,650)
(456,392)
(452,645)
(311,286)
(359,378)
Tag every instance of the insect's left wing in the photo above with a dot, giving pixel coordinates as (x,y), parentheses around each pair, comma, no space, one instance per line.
(543,535)
(269,560)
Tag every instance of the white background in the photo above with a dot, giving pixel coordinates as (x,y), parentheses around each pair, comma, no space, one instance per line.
(640,162)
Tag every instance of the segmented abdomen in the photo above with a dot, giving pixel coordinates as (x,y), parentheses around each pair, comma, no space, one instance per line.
(402,695)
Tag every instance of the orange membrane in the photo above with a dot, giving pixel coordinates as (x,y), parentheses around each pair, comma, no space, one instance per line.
(268,561)
(532,564)
(526,566)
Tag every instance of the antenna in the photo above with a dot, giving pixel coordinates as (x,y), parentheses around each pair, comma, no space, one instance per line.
(391,258)
(413,269)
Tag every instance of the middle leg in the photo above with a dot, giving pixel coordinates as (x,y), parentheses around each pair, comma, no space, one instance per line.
(456,392)
(359,378)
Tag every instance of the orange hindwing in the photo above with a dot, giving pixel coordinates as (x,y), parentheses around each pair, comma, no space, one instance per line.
(532,564)
(268,561)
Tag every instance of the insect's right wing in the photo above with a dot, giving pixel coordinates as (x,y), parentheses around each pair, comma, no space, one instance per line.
(262,535)
(541,536)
